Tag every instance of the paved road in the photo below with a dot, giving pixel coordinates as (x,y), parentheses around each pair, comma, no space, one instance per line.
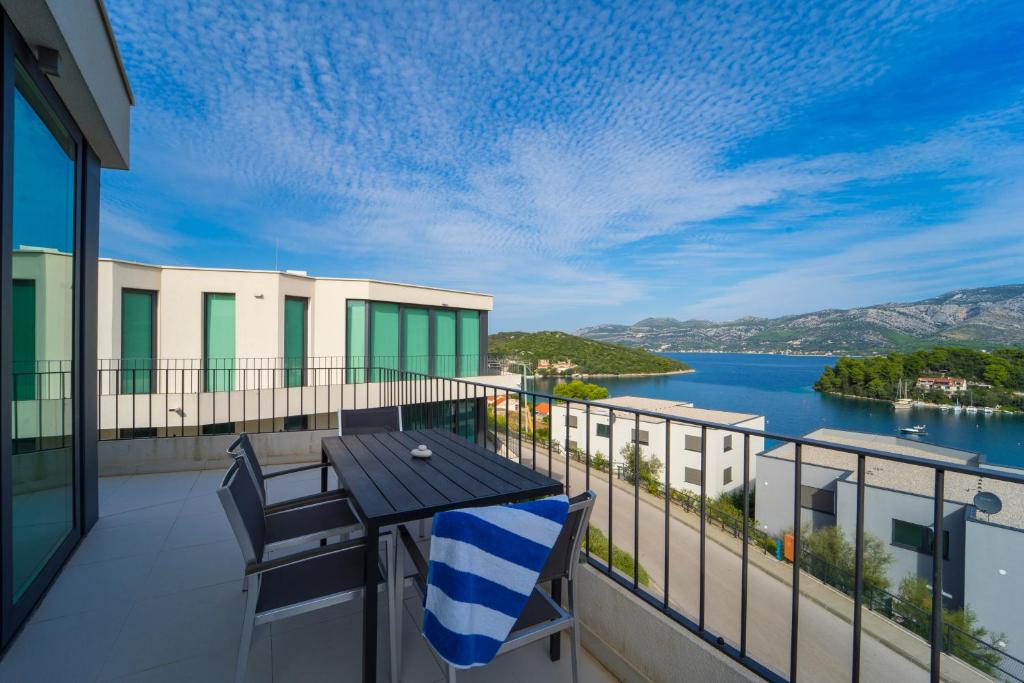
(825,639)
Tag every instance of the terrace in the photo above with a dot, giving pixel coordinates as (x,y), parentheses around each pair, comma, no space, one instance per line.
(153,591)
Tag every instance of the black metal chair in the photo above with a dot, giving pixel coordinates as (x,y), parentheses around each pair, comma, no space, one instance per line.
(242,448)
(313,521)
(369,420)
(304,581)
(542,616)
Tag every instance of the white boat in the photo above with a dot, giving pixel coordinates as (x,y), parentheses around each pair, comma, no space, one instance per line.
(902,402)
(971,409)
(957,408)
(916,429)
(987,411)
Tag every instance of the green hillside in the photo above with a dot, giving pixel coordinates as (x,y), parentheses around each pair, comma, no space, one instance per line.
(590,357)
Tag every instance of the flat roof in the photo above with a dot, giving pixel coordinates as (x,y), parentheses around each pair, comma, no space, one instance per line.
(897,476)
(292,273)
(683,409)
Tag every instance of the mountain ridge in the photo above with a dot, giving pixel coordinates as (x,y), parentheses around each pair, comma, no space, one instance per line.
(981,317)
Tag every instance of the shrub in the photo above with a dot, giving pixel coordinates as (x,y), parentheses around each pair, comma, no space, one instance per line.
(621,560)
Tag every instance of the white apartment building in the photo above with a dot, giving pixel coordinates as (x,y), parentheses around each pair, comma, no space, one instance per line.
(610,433)
(215,334)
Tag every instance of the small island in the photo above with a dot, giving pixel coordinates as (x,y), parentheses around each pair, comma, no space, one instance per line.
(558,354)
(939,376)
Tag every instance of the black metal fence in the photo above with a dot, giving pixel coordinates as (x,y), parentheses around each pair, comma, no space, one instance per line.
(518,424)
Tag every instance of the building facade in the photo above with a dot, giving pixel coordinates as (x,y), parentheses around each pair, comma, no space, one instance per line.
(982,553)
(947,385)
(65,115)
(610,432)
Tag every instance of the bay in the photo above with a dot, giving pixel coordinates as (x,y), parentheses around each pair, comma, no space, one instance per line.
(781,388)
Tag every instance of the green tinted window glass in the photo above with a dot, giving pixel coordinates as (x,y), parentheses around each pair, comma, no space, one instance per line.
(220,342)
(355,341)
(469,343)
(444,343)
(39,474)
(137,310)
(23,350)
(294,340)
(416,340)
(383,339)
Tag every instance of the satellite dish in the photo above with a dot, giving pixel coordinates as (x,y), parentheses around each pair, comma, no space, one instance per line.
(988,503)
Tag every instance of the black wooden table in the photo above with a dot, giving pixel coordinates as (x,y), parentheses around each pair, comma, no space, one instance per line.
(388,486)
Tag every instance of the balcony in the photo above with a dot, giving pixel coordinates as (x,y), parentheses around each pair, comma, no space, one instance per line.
(675,585)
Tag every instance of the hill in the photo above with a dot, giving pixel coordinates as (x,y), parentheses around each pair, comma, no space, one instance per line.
(589,357)
(987,317)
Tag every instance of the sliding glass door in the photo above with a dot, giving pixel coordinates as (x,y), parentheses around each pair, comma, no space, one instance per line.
(41,278)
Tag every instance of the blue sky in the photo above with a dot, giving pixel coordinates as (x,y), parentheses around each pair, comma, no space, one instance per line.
(584,163)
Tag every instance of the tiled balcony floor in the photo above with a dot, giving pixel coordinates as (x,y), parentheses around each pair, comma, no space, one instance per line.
(154,594)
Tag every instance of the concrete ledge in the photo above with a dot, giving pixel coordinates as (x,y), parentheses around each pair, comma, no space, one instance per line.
(174,454)
(637,643)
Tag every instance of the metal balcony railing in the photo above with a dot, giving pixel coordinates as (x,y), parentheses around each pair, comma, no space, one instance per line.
(274,394)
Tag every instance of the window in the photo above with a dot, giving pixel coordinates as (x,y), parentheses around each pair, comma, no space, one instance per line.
(416,340)
(918,538)
(573,445)
(819,500)
(219,341)
(138,322)
(355,341)
(727,476)
(645,437)
(40,482)
(469,343)
(692,443)
(294,340)
(727,443)
(219,428)
(692,476)
(383,340)
(444,343)
(603,430)
(573,421)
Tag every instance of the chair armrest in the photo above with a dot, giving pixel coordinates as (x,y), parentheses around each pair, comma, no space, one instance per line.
(303,501)
(293,470)
(418,561)
(304,556)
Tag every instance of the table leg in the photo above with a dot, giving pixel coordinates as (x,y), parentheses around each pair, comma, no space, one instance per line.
(370,605)
(323,470)
(555,645)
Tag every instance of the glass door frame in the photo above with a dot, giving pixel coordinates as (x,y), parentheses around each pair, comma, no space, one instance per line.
(14,50)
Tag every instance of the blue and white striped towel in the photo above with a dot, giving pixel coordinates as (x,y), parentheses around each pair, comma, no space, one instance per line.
(484,563)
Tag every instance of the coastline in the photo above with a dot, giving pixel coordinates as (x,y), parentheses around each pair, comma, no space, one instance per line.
(641,374)
(917,404)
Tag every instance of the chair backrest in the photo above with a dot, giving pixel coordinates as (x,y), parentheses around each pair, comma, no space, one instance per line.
(241,449)
(565,554)
(244,509)
(369,420)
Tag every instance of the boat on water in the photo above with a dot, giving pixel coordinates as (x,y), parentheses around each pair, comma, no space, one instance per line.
(971,409)
(987,411)
(915,429)
(957,408)
(902,402)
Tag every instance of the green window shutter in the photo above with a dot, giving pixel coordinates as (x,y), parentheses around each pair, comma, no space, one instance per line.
(219,354)
(469,343)
(23,350)
(294,340)
(416,340)
(137,309)
(383,339)
(355,341)
(444,343)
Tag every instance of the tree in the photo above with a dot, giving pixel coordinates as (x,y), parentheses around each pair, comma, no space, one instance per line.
(828,554)
(580,390)
(965,639)
(649,469)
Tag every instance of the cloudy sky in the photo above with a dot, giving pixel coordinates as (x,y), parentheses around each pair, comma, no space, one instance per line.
(583,163)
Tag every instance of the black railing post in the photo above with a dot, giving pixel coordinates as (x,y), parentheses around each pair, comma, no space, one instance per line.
(937,553)
(746,545)
(794,624)
(668,506)
(858,575)
(636,500)
(586,469)
(703,519)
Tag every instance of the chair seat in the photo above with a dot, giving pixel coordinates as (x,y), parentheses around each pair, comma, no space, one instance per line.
(320,577)
(310,520)
(538,610)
